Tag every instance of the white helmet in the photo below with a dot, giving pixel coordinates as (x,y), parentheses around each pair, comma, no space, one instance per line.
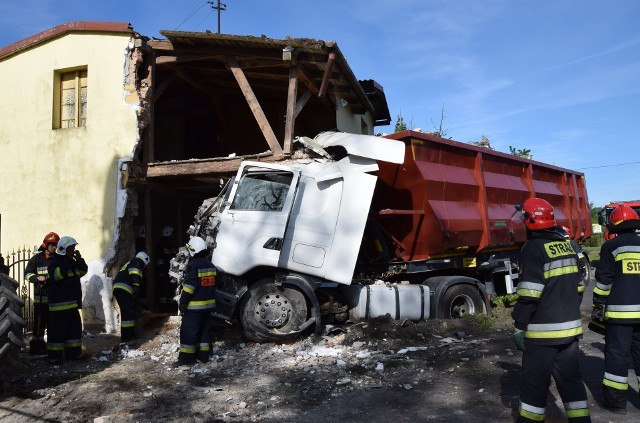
(64,243)
(195,245)
(167,231)
(144,257)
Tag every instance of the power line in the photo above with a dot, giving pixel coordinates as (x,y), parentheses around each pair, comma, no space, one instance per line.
(610,165)
(197,7)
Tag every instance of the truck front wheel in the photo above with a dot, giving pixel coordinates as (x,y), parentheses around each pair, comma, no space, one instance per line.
(460,300)
(272,313)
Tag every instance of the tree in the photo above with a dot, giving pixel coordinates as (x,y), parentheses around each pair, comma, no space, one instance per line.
(594,212)
(400,125)
(440,130)
(522,152)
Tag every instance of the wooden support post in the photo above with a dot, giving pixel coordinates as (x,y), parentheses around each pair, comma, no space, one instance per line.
(149,271)
(291,105)
(255,107)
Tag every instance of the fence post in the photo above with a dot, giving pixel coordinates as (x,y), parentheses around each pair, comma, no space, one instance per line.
(16,262)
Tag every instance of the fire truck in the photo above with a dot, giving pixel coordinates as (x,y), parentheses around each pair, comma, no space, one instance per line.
(603,215)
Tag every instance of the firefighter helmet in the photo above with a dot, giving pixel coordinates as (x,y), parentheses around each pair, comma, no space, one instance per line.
(621,213)
(538,214)
(144,257)
(64,243)
(50,238)
(195,245)
(167,231)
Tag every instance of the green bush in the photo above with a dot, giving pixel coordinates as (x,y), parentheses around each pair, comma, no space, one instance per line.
(507,300)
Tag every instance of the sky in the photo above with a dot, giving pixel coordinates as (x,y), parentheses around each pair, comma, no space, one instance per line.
(558,77)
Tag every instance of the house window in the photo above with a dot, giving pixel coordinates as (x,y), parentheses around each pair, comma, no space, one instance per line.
(70,99)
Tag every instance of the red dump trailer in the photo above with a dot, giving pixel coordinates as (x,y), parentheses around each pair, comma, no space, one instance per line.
(455,199)
(411,225)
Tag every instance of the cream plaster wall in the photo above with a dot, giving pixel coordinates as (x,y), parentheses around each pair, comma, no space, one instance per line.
(347,121)
(63,180)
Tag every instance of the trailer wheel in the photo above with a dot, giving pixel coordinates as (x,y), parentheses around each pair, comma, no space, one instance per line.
(585,267)
(461,300)
(11,325)
(272,313)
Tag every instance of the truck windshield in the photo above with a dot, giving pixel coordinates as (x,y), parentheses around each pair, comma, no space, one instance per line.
(263,191)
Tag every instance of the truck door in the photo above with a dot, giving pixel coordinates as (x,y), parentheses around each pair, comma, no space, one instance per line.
(254,219)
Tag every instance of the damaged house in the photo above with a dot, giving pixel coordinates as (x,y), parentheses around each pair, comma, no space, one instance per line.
(105,130)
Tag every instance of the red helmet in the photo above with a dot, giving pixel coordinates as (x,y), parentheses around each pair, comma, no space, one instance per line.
(621,213)
(538,214)
(50,238)
(567,230)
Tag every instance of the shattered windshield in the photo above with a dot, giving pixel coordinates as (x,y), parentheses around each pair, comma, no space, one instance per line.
(263,191)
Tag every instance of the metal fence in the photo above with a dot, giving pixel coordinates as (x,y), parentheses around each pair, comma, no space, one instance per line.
(16,262)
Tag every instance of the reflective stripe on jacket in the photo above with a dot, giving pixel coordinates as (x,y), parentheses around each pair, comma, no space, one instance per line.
(548,307)
(199,288)
(618,278)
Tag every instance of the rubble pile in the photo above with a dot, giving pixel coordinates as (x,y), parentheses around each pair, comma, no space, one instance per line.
(247,381)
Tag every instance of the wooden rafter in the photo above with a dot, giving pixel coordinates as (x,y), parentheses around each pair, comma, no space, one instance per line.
(255,107)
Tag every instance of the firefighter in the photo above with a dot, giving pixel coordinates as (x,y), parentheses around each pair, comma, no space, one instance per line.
(126,288)
(547,317)
(36,273)
(141,245)
(617,294)
(197,300)
(165,251)
(65,301)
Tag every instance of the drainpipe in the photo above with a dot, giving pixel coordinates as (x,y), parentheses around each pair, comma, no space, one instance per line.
(327,73)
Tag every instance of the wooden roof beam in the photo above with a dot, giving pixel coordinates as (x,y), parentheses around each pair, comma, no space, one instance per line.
(255,107)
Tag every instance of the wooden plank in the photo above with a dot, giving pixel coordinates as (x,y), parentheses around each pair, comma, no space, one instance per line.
(201,167)
(255,107)
(291,106)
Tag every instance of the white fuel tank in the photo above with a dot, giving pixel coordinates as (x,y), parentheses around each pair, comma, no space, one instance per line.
(398,300)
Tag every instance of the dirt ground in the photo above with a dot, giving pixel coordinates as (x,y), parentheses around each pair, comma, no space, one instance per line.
(377,371)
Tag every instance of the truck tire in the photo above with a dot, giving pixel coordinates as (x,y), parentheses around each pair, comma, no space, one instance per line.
(461,300)
(272,313)
(11,325)
(585,267)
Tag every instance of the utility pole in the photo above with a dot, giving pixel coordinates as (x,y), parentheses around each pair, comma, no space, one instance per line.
(220,7)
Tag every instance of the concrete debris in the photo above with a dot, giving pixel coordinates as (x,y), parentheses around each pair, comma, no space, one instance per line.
(127,353)
(363,354)
(412,349)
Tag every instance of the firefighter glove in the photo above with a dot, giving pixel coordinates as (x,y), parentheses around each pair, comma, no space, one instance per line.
(518,339)
(597,318)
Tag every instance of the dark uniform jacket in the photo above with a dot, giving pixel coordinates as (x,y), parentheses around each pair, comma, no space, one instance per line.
(38,265)
(129,277)
(618,279)
(548,307)
(165,251)
(65,289)
(199,287)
